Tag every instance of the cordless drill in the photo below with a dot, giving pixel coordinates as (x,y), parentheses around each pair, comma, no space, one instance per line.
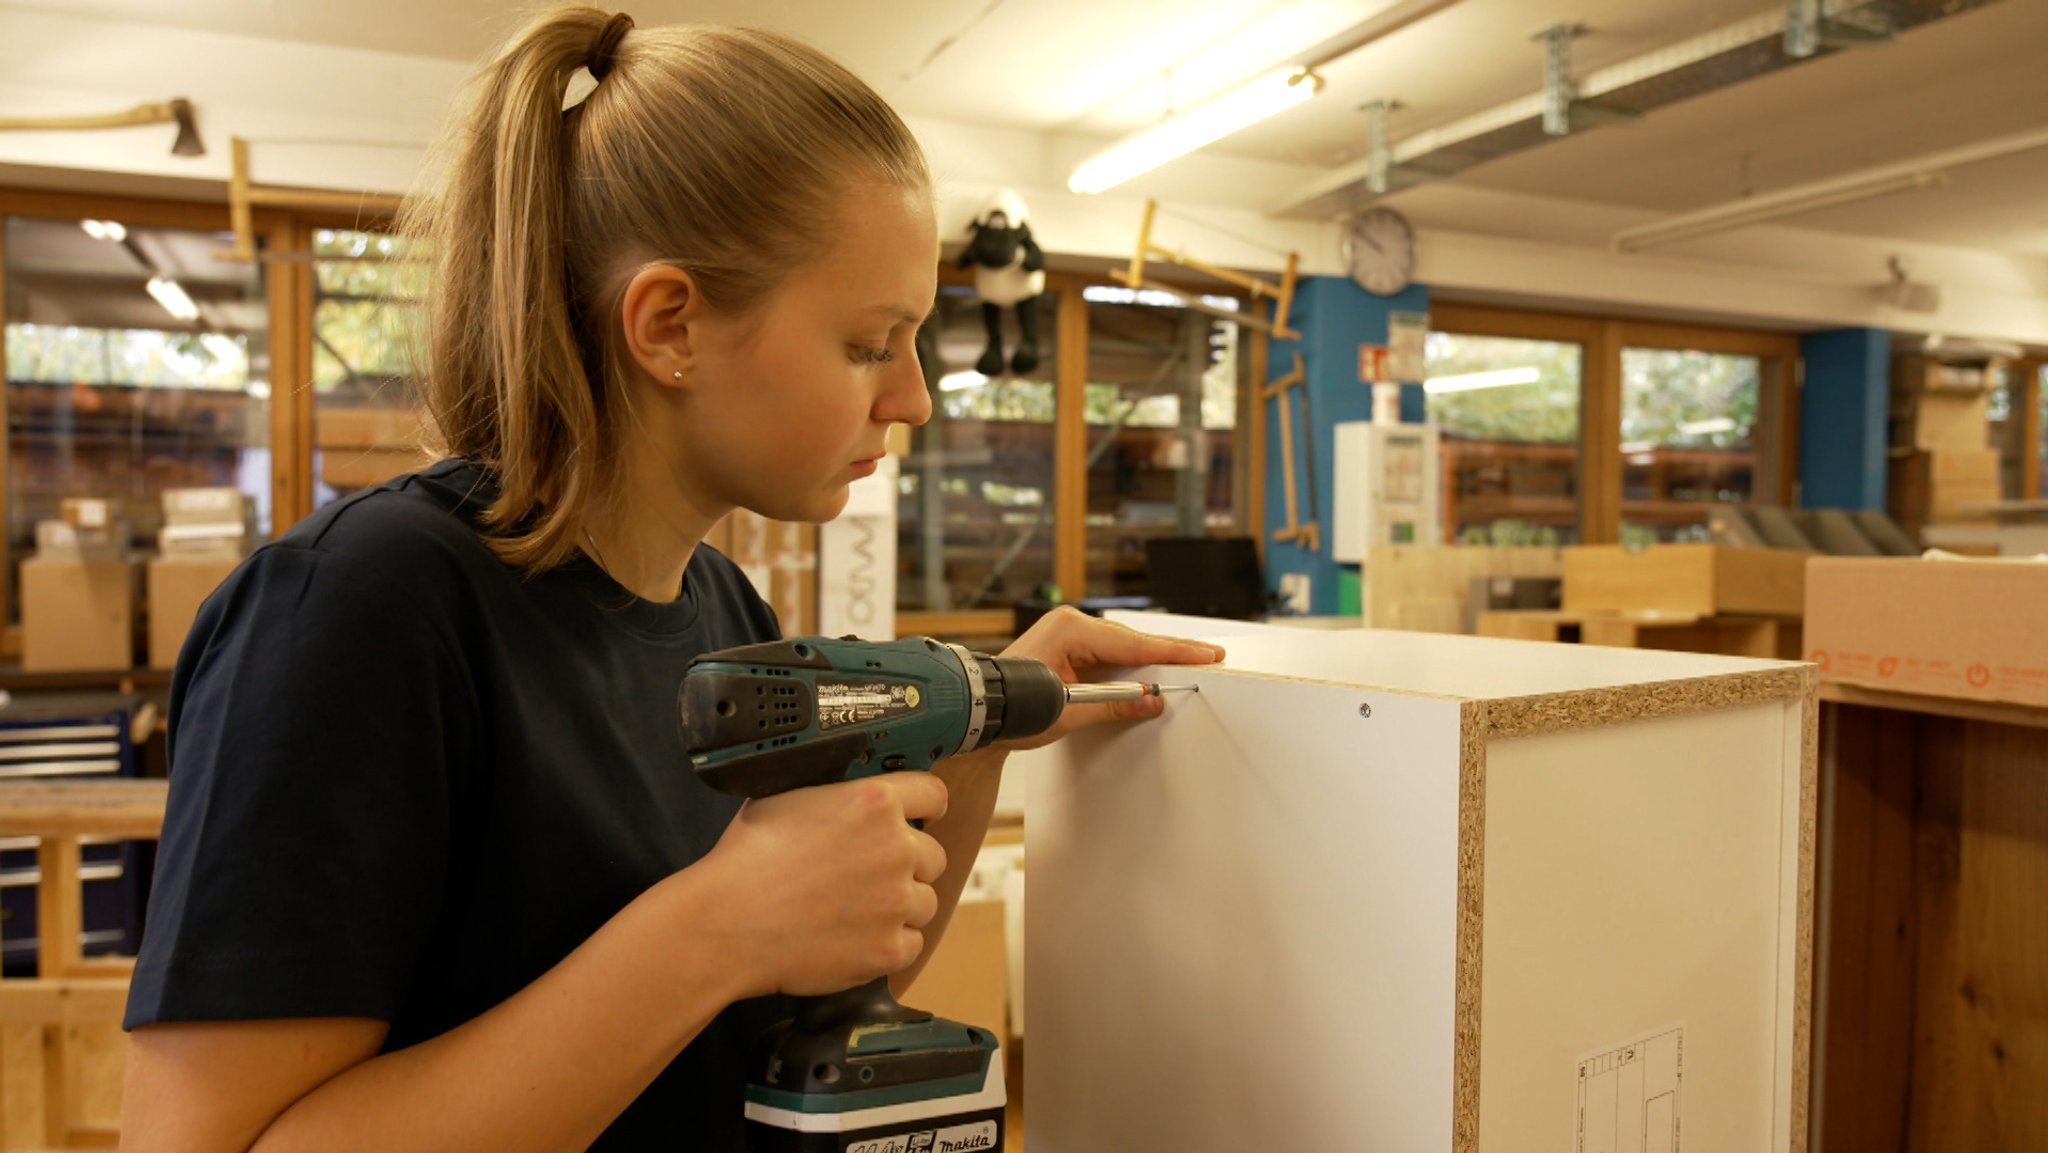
(856,1072)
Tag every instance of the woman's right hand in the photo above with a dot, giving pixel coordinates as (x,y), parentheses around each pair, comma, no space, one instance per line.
(831,885)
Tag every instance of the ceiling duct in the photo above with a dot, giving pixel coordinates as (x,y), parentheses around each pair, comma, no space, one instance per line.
(1708,63)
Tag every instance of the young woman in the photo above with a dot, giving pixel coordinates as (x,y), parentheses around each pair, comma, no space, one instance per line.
(435,874)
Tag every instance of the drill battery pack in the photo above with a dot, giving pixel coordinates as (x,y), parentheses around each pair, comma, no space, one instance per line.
(980,1130)
(923,1085)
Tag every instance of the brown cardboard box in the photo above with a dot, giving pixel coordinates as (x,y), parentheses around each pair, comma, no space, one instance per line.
(967,978)
(1696,579)
(1935,487)
(77,617)
(1977,630)
(177,587)
(1924,374)
(1935,421)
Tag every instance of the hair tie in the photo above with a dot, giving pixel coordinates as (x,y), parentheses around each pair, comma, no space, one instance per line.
(605,49)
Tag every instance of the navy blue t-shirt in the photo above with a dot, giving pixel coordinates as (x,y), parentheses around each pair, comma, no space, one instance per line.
(407,780)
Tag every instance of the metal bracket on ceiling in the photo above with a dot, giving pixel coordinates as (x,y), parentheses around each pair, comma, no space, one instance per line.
(1808,28)
(1559,89)
(1378,150)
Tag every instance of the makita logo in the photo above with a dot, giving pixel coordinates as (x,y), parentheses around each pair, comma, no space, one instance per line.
(979,1137)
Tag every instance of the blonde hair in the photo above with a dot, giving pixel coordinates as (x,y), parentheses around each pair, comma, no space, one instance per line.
(717,150)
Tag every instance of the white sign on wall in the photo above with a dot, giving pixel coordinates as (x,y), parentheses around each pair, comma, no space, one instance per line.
(857,561)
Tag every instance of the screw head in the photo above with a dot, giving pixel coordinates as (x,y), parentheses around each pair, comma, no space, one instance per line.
(1365,711)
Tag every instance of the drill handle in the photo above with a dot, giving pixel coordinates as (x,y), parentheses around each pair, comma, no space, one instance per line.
(869,1004)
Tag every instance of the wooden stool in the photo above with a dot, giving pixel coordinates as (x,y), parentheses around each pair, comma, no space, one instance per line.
(61,1045)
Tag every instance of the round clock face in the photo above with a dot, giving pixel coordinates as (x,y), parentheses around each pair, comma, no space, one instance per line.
(1381,251)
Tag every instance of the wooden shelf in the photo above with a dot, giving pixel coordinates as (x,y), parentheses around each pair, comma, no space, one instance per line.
(1997,712)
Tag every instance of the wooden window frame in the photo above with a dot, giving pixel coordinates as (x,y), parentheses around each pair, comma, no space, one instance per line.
(1603,338)
(273,227)
(1070,453)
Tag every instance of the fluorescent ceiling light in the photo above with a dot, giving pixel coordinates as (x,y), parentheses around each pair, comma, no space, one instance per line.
(112,230)
(1707,427)
(1495,378)
(1116,294)
(1770,206)
(957,381)
(1926,171)
(1270,94)
(171,295)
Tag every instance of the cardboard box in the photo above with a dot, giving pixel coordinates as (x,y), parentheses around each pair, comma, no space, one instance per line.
(177,587)
(64,541)
(1968,629)
(191,506)
(967,978)
(88,511)
(1935,421)
(1924,374)
(77,617)
(1685,579)
(1935,487)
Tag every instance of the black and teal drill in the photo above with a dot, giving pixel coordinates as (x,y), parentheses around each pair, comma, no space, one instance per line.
(856,1072)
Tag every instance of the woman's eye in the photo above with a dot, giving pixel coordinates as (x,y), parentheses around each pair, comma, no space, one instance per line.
(862,354)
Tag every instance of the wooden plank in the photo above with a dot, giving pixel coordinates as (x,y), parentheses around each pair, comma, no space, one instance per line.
(1995,712)
(1070,446)
(1943,994)
(60,922)
(965,622)
(21,1086)
(1522,624)
(1600,438)
(128,809)
(1867,922)
(1981,1027)
(1253,443)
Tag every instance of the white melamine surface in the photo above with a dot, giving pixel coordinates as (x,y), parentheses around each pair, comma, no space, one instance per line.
(1241,933)
(1635,880)
(1472,668)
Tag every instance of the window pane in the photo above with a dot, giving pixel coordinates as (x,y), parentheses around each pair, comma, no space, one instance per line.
(1509,410)
(136,362)
(1688,440)
(1162,419)
(974,516)
(369,288)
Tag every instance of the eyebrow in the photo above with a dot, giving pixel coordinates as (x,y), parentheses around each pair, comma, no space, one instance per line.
(908,316)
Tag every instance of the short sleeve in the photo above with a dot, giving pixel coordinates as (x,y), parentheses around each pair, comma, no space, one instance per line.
(318,717)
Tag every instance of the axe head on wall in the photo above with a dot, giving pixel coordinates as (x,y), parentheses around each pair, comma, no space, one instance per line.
(178,112)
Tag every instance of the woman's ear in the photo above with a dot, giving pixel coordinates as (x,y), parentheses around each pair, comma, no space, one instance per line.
(661,311)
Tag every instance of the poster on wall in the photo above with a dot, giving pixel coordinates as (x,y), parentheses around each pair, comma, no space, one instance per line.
(1407,337)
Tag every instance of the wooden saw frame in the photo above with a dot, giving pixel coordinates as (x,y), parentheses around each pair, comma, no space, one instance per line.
(244,196)
(1282,294)
(1306,534)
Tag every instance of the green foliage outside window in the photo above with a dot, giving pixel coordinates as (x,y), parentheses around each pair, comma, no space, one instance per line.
(134,357)
(1543,412)
(367,310)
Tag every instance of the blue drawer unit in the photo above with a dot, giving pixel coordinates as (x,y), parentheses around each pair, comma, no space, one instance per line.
(69,736)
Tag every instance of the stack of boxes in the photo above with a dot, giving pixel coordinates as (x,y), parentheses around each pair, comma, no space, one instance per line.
(1941,459)
(205,535)
(78,591)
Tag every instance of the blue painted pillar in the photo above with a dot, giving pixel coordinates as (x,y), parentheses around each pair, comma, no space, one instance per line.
(1334,316)
(1842,412)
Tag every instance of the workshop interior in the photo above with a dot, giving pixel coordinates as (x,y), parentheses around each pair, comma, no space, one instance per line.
(1605,437)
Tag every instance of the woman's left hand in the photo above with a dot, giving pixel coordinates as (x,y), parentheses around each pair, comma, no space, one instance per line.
(1072,643)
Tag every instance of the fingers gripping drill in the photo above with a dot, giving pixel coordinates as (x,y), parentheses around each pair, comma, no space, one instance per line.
(856,1067)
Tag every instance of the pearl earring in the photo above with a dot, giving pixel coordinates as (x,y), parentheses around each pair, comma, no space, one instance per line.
(678,375)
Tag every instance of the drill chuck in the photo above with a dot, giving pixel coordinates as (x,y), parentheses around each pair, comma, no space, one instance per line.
(768,718)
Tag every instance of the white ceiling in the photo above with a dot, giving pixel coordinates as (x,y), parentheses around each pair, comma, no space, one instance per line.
(1102,68)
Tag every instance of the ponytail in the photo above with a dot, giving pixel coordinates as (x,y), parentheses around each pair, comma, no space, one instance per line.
(716,150)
